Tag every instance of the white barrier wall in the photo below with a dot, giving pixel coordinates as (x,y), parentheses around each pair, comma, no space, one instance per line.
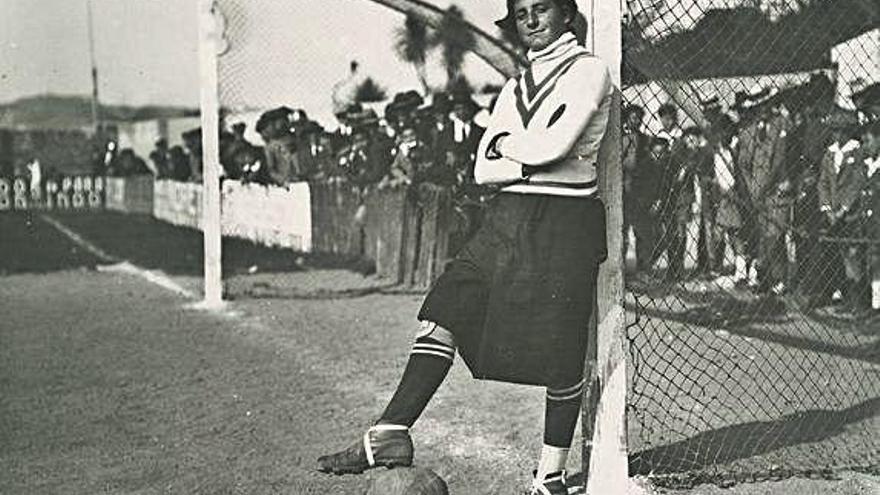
(129,194)
(178,203)
(272,216)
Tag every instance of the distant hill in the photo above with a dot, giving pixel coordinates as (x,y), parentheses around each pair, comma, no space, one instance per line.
(75,112)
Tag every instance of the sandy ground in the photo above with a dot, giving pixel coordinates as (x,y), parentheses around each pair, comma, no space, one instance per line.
(110,384)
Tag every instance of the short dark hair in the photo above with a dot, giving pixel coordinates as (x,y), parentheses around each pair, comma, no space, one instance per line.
(508,23)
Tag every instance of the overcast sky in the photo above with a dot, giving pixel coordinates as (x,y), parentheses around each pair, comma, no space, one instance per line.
(146,50)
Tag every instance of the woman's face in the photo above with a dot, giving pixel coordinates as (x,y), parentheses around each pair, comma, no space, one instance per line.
(539,22)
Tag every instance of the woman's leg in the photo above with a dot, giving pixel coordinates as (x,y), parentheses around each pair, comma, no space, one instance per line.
(388,443)
(562,407)
(429,362)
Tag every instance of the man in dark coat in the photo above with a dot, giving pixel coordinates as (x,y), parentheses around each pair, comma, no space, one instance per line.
(842,179)
(687,155)
(192,141)
(161,158)
(762,163)
(640,183)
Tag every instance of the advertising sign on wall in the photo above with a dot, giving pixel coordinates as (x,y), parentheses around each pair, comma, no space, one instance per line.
(65,193)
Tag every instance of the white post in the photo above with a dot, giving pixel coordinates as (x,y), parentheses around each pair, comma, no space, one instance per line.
(605,446)
(210,110)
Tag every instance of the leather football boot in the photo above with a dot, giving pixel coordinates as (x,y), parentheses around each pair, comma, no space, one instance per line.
(382,445)
(552,484)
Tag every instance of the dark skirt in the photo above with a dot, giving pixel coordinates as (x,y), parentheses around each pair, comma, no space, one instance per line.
(519,294)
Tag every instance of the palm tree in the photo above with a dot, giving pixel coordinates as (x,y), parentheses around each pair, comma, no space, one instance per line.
(412,44)
(455,38)
(494,51)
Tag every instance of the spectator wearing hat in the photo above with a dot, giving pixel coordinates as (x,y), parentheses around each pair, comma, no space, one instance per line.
(309,150)
(400,112)
(161,158)
(687,155)
(192,141)
(282,164)
(640,186)
(842,179)
(411,159)
(670,129)
(179,164)
(766,186)
(867,101)
(232,151)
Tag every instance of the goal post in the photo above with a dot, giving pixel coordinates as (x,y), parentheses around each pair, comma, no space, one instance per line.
(604,413)
(209,38)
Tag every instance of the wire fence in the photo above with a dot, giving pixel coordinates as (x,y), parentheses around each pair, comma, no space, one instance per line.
(752,240)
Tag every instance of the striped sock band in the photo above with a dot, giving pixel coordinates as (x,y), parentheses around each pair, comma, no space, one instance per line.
(429,362)
(561,413)
(566,393)
(433,347)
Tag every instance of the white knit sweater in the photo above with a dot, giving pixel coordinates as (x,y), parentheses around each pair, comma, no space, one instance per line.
(553,117)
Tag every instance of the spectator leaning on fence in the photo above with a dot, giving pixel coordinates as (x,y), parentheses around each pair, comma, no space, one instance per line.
(282,165)
(512,301)
(192,141)
(161,158)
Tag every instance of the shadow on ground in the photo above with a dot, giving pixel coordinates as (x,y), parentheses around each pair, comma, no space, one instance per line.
(29,244)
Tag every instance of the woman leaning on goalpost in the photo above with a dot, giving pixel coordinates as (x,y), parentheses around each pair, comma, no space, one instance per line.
(516,300)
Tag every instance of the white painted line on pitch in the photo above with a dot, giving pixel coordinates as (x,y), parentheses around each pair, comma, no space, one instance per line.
(120,266)
(76,238)
(157,278)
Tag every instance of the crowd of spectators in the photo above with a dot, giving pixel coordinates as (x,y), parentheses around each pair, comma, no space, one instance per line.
(785,183)
(780,187)
(413,142)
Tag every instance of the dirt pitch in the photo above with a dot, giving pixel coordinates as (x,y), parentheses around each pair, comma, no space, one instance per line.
(108,384)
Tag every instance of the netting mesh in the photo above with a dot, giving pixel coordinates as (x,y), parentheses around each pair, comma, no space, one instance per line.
(751,259)
(754,353)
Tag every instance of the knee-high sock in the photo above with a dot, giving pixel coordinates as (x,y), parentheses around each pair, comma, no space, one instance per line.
(560,417)
(429,362)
